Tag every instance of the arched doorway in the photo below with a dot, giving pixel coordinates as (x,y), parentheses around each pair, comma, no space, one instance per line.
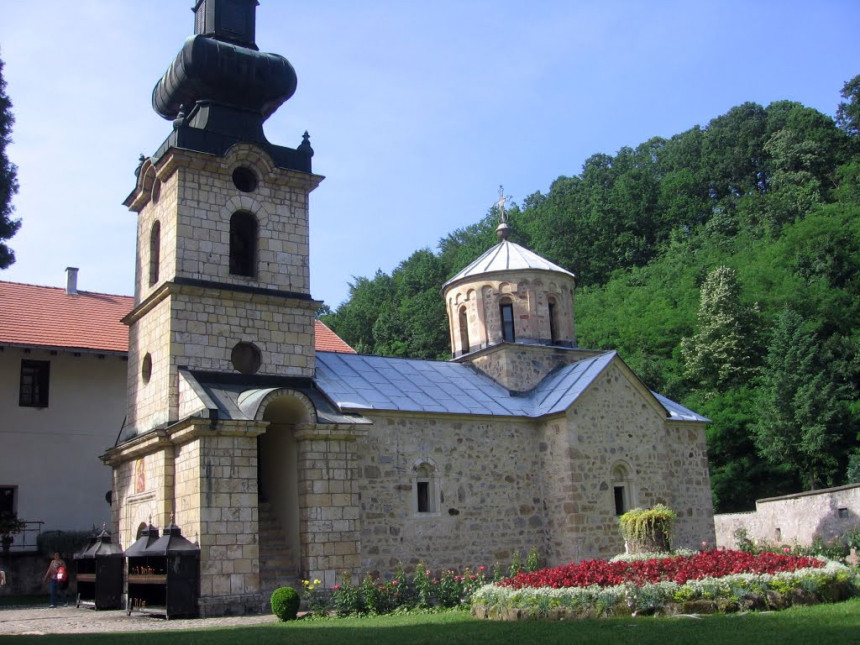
(277,475)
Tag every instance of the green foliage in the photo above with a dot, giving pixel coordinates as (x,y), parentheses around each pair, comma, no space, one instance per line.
(648,529)
(66,543)
(848,111)
(706,236)
(8,178)
(285,603)
(801,404)
(720,353)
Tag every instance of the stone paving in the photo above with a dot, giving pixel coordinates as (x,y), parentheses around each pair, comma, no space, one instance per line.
(72,620)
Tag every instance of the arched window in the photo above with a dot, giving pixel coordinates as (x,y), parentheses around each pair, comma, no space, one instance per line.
(506,311)
(154,252)
(553,324)
(464,331)
(622,489)
(243,244)
(425,491)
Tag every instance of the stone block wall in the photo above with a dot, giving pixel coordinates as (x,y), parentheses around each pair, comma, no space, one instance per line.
(794,519)
(216,504)
(521,368)
(616,425)
(488,483)
(328,499)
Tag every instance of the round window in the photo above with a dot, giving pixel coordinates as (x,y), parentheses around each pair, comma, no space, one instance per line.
(146,368)
(244,179)
(246,358)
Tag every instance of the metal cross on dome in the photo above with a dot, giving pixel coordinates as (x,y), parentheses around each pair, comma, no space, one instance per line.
(503,217)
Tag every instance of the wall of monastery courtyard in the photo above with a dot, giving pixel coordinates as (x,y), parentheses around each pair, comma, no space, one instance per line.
(794,519)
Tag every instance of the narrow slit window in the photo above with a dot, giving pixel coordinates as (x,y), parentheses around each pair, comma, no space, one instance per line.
(154,252)
(620,502)
(507,314)
(464,331)
(553,327)
(423,491)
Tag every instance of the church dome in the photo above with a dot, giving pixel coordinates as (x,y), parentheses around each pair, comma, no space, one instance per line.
(506,256)
(510,295)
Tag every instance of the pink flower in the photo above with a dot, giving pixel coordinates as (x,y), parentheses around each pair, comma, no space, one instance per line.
(704,544)
(786,550)
(335,587)
(395,582)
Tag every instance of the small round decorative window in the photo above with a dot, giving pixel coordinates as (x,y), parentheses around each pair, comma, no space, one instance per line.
(244,179)
(146,368)
(246,358)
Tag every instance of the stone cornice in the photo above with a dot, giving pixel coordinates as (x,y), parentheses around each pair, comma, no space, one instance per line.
(225,290)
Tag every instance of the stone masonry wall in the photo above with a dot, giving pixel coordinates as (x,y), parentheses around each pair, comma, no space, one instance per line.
(488,480)
(520,368)
(794,519)
(328,497)
(615,424)
(216,481)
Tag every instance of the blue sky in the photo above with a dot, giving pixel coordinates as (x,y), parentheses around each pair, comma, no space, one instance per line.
(417,111)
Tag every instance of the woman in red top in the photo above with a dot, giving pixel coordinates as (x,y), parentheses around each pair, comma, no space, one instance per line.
(56,584)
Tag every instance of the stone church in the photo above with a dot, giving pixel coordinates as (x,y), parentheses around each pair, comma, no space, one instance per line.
(284,462)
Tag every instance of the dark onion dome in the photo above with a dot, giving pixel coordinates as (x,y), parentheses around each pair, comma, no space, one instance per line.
(213,70)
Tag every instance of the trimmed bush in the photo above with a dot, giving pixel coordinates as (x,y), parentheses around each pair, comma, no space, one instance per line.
(66,543)
(285,603)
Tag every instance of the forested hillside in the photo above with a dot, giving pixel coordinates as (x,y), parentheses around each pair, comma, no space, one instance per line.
(724,266)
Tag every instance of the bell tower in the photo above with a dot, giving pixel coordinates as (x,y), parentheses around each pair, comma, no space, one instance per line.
(222,279)
(222,301)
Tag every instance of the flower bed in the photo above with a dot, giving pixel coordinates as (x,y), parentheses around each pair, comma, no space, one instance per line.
(705,582)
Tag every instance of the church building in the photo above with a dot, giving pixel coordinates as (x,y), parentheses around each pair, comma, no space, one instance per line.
(283,462)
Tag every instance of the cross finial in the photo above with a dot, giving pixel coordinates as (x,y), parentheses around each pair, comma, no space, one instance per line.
(502,229)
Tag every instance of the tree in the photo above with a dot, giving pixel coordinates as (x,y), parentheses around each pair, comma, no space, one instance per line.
(801,405)
(720,354)
(8,178)
(848,111)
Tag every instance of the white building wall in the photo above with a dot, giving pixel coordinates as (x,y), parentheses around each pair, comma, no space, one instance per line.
(52,454)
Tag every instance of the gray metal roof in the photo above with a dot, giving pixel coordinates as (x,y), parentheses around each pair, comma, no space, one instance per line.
(355,382)
(507,256)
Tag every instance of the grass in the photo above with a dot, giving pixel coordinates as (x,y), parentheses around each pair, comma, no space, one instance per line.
(822,624)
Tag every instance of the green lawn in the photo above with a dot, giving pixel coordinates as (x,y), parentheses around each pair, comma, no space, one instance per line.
(819,625)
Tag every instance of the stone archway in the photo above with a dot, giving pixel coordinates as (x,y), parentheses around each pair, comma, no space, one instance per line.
(278,481)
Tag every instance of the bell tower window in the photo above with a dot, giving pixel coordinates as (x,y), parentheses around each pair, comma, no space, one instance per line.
(506,310)
(243,244)
(553,325)
(464,331)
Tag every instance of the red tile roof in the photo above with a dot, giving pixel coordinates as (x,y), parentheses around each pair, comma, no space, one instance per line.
(36,316)
(328,341)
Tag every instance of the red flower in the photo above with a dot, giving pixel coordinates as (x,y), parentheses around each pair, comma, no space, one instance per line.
(705,564)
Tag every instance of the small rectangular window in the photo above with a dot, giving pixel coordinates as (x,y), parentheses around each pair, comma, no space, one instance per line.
(7,499)
(423,490)
(842,512)
(34,384)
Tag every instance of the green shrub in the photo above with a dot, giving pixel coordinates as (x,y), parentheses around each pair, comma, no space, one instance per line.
(648,530)
(285,603)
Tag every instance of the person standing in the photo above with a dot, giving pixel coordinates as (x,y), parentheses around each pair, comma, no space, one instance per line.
(57,577)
